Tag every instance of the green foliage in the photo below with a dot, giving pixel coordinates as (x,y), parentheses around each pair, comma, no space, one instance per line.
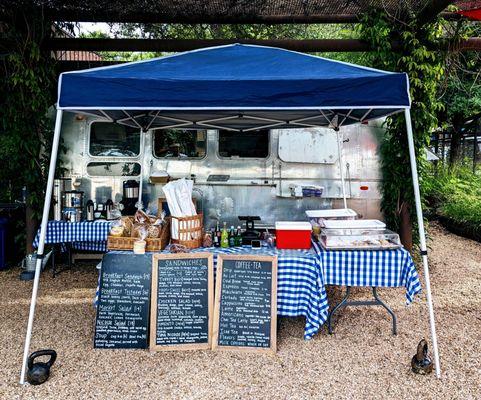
(461,91)
(455,193)
(425,68)
(28,90)
(234,32)
(117,55)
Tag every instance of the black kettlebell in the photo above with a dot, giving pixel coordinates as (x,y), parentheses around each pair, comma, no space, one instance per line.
(38,373)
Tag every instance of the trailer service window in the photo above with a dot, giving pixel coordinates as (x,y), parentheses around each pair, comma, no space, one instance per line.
(252,144)
(180,143)
(108,139)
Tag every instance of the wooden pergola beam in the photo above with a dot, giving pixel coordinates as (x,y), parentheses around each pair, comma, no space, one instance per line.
(175,45)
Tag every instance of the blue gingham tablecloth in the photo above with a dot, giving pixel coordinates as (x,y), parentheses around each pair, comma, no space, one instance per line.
(83,235)
(374,268)
(300,284)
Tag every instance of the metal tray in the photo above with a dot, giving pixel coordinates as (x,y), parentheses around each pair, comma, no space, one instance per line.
(377,248)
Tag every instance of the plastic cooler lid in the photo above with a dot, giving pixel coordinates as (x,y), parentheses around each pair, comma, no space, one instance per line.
(336,213)
(354,224)
(293,226)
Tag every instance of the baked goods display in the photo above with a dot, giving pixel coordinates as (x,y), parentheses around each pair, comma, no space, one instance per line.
(352,239)
(140,226)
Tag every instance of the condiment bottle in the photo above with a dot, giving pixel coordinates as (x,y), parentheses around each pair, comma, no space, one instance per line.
(238,237)
(232,237)
(216,236)
(224,238)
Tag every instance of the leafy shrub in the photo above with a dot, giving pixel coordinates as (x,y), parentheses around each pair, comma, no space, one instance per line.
(455,195)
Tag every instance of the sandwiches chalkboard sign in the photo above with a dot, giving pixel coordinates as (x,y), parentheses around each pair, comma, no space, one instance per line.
(123,302)
(182,300)
(245,311)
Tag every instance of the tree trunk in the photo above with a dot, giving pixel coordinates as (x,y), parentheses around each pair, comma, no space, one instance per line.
(406,227)
(456,136)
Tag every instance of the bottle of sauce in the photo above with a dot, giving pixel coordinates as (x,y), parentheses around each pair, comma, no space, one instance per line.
(216,236)
(238,237)
(224,237)
(232,236)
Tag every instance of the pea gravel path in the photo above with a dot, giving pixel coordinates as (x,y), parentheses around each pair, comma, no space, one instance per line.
(362,359)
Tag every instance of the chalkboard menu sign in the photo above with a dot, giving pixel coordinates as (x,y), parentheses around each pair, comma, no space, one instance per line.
(123,302)
(182,301)
(245,313)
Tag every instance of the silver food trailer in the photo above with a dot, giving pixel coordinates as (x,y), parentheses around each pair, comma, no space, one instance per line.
(256,173)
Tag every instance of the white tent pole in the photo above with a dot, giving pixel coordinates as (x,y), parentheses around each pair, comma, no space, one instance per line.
(422,237)
(341,165)
(41,244)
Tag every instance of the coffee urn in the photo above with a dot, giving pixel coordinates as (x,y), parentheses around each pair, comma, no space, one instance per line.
(131,196)
(90,208)
(60,185)
(109,207)
(58,189)
(73,205)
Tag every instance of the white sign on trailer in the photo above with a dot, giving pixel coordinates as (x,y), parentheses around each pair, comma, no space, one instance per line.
(313,146)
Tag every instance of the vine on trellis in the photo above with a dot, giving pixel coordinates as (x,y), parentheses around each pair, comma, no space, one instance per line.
(414,53)
(28,91)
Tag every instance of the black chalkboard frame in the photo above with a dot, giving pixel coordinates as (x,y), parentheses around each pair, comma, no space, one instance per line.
(218,285)
(135,264)
(153,298)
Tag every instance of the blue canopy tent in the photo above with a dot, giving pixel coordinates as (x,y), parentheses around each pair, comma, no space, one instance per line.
(238,88)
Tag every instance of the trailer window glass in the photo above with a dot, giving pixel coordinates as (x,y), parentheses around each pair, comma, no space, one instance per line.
(113,169)
(180,143)
(108,139)
(253,144)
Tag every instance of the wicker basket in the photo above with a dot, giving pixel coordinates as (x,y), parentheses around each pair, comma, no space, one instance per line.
(190,230)
(127,243)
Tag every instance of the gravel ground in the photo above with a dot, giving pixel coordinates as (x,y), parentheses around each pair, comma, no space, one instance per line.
(361,360)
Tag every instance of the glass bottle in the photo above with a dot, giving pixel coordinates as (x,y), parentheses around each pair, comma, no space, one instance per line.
(238,237)
(216,238)
(224,238)
(232,236)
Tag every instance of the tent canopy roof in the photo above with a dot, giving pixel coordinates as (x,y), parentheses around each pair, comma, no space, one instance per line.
(238,87)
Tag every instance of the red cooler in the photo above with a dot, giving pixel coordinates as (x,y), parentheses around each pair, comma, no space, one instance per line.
(293,235)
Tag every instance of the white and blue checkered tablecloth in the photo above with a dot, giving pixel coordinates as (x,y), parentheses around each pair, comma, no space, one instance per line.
(83,235)
(300,284)
(374,268)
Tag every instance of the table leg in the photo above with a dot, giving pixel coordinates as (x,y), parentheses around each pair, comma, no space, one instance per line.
(342,303)
(391,312)
(69,255)
(54,250)
(376,302)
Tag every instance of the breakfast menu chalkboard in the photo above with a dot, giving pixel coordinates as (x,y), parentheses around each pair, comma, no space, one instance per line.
(123,302)
(182,301)
(245,313)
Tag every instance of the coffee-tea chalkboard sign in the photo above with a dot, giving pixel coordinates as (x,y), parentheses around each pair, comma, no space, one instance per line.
(245,312)
(124,302)
(182,300)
